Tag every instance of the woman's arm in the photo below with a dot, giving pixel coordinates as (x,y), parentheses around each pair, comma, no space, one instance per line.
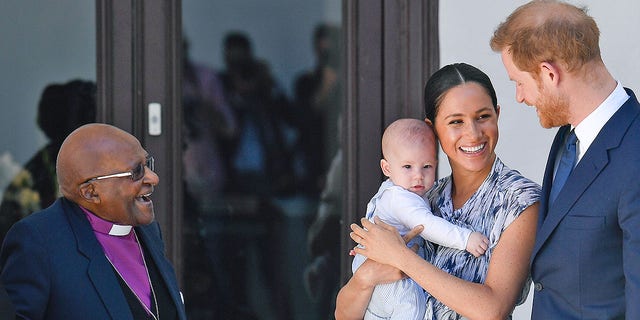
(353,298)
(507,273)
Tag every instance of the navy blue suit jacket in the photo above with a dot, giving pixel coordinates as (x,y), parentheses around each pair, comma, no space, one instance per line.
(53,267)
(586,258)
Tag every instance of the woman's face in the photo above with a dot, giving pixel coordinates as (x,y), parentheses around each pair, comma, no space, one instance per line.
(467,127)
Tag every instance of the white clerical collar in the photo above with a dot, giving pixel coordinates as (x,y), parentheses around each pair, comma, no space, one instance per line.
(106,227)
(120,230)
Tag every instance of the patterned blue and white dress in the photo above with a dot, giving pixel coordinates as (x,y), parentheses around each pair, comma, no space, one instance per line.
(501,198)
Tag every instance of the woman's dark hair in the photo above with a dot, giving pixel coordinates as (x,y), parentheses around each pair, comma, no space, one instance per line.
(451,76)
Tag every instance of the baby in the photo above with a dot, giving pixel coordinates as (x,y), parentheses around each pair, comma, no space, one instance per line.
(409,161)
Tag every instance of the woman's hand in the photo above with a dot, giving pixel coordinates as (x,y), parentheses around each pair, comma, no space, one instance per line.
(380,241)
(353,298)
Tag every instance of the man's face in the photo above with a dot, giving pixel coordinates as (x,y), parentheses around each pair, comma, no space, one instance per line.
(551,107)
(124,200)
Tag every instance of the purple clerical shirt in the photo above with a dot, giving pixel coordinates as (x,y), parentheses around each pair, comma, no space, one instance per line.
(121,247)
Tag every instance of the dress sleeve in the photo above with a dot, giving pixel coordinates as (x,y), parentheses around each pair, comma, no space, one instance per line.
(519,194)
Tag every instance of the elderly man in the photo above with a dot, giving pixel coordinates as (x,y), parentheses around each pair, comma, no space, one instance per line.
(96,253)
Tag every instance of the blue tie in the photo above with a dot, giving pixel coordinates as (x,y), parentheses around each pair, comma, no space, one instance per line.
(567,162)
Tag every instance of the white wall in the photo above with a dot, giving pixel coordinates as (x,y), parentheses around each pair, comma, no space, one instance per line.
(465,30)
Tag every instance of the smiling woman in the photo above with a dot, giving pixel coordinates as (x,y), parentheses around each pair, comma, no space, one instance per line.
(467,128)
(481,194)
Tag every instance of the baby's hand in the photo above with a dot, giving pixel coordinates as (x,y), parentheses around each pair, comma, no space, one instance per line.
(477,244)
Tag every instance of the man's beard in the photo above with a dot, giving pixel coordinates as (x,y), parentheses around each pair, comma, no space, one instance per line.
(553,111)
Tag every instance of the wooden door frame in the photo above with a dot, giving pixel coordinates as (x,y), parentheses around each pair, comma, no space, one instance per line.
(138,63)
(391,47)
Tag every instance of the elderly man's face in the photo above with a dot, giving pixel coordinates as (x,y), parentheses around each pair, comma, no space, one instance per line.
(103,169)
(121,180)
(127,201)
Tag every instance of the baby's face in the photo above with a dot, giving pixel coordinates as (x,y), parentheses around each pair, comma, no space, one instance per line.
(411,167)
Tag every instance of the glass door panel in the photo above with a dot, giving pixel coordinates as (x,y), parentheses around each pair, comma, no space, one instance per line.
(262,98)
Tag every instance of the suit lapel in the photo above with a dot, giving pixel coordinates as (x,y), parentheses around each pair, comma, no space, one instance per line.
(99,270)
(152,241)
(589,167)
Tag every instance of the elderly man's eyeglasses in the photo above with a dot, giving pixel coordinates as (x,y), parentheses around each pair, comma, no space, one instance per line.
(136,174)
